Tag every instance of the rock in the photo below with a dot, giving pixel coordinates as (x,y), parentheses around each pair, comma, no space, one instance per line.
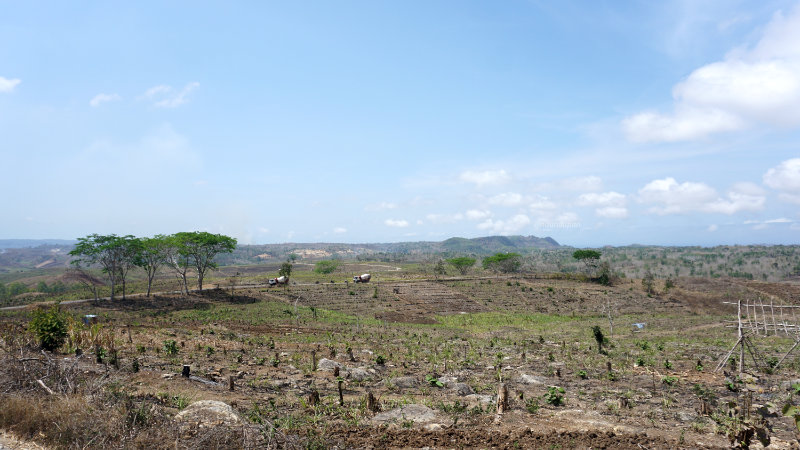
(240,374)
(684,416)
(208,413)
(359,374)
(448,382)
(433,427)
(787,385)
(168,376)
(463,389)
(480,399)
(417,414)
(327,364)
(531,379)
(405,382)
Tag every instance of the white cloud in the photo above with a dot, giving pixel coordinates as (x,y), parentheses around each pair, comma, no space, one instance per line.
(485,178)
(779,220)
(671,197)
(610,205)
(382,206)
(785,177)
(507,199)
(577,184)
(263,230)
(103,98)
(712,228)
(505,227)
(444,218)
(602,199)
(750,86)
(339,230)
(164,96)
(477,214)
(589,183)
(541,204)
(612,212)
(8,84)
(399,223)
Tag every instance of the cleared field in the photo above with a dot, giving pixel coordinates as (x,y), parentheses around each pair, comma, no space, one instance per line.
(446,345)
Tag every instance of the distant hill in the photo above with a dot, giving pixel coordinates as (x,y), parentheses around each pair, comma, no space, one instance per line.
(248,254)
(30,243)
(495,244)
(29,254)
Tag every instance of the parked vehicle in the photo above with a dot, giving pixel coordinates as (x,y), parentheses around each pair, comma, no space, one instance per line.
(277,281)
(362,278)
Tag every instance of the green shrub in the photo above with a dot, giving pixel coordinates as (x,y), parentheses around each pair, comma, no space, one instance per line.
(50,327)
(555,395)
(532,405)
(171,347)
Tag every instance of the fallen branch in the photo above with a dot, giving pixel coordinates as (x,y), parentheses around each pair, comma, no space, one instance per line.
(44,386)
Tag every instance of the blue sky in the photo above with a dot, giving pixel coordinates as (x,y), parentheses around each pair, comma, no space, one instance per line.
(596,123)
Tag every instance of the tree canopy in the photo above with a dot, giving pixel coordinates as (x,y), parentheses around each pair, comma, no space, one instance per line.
(285,270)
(201,247)
(503,262)
(114,254)
(326,266)
(462,264)
(590,258)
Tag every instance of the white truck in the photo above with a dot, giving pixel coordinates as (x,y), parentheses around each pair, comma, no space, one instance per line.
(277,281)
(362,278)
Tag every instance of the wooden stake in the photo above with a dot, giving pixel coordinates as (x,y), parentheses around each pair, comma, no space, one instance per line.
(185,372)
(230,382)
(341,397)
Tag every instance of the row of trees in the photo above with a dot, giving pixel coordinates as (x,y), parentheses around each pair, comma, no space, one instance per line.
(184,251)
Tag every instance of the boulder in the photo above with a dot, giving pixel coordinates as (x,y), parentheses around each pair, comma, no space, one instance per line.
(448,382)
(531,379)
(360,374)
(462,389)
(417,414)
(327,364)
(208,413)
(482,400)
(405,382)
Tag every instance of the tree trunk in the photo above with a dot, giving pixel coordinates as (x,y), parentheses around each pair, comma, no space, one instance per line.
(150,276)
(200,280)
(123,288)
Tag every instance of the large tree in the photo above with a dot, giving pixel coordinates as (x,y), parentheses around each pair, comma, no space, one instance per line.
(326,266)
(201,247)
(462,264)
(114,254)
(153,254)
(177,259)
(590,259)
(503,262)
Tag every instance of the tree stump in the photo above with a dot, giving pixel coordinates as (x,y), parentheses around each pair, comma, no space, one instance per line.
(185,372)
(313,398)
(341,397)
(502,401)
(372,403)
(230,382)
